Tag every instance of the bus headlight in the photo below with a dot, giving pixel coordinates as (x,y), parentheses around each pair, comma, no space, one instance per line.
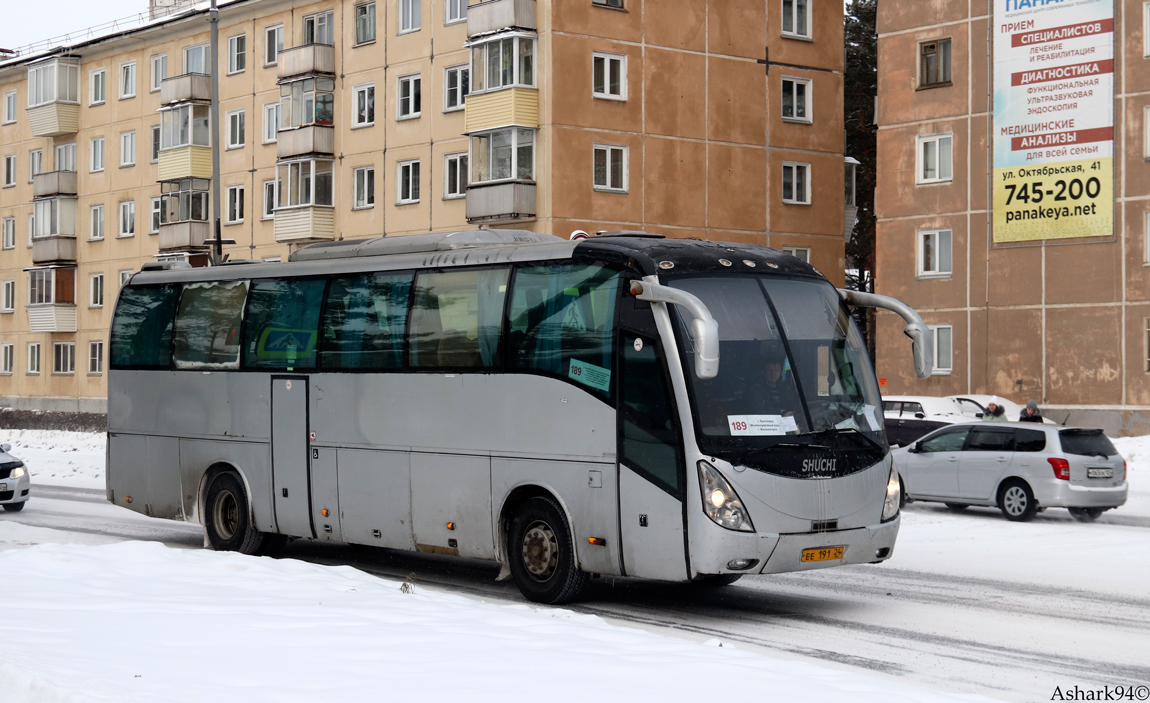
(720,502)
(893,492)
(17,472)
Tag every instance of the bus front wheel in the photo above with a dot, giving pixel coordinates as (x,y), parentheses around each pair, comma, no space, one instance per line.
(541,553)
(226,519)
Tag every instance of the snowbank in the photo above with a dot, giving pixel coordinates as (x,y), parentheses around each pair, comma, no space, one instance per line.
(138,621)
(60,458)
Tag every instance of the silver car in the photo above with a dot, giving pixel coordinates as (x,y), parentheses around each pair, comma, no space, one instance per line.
(15,484)
(1021,468)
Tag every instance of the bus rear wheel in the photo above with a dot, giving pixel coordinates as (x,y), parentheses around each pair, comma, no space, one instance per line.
(541,553)
(226,519)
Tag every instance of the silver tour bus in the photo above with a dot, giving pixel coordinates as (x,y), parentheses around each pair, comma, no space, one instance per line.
(624,405)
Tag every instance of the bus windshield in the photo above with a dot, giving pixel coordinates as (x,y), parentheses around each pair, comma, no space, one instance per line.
(791,363)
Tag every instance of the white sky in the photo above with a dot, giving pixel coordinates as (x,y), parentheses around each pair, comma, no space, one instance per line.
(28,21)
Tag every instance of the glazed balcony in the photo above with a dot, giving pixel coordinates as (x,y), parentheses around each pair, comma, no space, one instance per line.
(46,185)
(304,224)
(313,139)
(494,15)
(309,58)
(496,203)
(54,96)
(190,87)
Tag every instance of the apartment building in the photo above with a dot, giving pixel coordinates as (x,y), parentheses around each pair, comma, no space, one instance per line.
(343,119)
(1014,201)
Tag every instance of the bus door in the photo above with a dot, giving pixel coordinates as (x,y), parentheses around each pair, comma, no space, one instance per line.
(290,461)
(651,476)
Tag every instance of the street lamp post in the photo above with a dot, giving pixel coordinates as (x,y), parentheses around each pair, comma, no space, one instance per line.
(217,241)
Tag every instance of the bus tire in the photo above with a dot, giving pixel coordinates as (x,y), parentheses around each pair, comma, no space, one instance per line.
(541,553)
(227,521)
(715,580)
(1016,501)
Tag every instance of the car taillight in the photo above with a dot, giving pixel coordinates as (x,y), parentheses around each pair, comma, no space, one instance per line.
(1061,468)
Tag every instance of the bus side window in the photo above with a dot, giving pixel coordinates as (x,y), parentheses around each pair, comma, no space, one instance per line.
(364,321)
(457,317)
(207,332)
(650,438)
(282,324)
(142,328)
(562,323)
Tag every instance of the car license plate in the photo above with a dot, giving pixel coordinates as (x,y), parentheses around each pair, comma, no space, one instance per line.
(823,553)
(1100,473)
(3,487)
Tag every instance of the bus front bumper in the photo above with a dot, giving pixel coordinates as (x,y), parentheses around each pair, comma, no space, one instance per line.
(864,545)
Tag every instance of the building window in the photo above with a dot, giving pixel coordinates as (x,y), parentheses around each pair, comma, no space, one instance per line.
(934,62)
(9,232)
(1145,238)
(504,62)
(455,176)
(456,11)
(125,276)
(271,122)
(48,286)
(408,16)
(97,161)
(66,157)
(95,358)
(9,170)
(801,253)
(128,149)
(611,168)
(31,227)
(617,4)
(198,59)
(237,53)
(64,357)
(307,102)
(97,87)
(407,182)
(1145,28)
(54,216)
(128,218)
(305,182)
(364,195)
(34,358)
(10,107)
(364,108)
(934,254)
(365,23)
(155,151)
(503,155)
(850,171)
(236,126)
(9,296)
(96,290)
(55,80)
(157,210)
(96,222)
(35,163)
(185,125)
(410,100)
(609,76)
(235,201)
(943,348)
(128,80)
(319,29)
(269,200)
(9,353)
(273,44)
(796,183)
(159,70)
(934,158)
(797,100)
(796,19)
(455,87)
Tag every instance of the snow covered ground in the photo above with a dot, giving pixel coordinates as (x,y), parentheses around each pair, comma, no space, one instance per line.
(59,458)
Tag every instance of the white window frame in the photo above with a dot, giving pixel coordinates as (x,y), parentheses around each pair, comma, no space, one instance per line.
(413,195)
(278,31)
(808,101)
(479,56)
(1146,131)
(934,335)
(271,122)
(96,216)
(234,118)
(459,93)
(8,355)
(317,27)
(269,213)
(516,145)
(400,115)
(154,144)
(608,150)
(410,19)
(96,357)
(10,169)
(127,222)
(66,157)
(360,41)
(806,167)
(454,11)
(9,232)
(919,161)
(234,202)
(793,31)
(608,59)
(8,293)
(205,58)
(125,276)
(127,75)
(801,253)
(457,190)
(97,155)
(937,237)
(31,227)
(95,290)
(33,358)
(10,109)
(63,358)
(128,148)
(97,84)
(159,72)
(363,188)
(155,214)
(367,89)
(1145,28)
(237,55)
(35,163)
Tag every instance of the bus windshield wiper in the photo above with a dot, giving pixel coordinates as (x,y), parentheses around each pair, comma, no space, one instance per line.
(853,432)
(799,445)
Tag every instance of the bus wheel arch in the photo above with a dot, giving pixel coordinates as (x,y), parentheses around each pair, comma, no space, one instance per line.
(225,511)
(537,542)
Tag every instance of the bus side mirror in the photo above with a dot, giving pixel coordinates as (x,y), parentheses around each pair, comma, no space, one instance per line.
(704,328)
(922,346)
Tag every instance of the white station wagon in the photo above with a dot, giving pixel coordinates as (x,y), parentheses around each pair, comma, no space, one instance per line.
(1021,468)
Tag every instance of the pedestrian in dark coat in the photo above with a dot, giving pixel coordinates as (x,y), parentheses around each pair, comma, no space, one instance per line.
(1031,413)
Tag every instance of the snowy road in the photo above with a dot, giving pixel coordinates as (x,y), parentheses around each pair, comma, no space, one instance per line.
(969,604)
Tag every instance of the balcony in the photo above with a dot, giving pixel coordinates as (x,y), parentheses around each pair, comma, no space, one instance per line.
(186,162)
(493,15)
(57,249)
(45,185)
(54,119)
(52,317)
(305,224)
(184,236)
(496,203)
(501,108)
(54,94)
(190,87)
(305,140)
(309,58)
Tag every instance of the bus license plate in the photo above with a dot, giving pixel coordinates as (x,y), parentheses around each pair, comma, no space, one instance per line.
(823,553)
(1100,473)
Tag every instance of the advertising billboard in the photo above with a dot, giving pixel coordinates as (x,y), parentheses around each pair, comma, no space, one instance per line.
(1053,119)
